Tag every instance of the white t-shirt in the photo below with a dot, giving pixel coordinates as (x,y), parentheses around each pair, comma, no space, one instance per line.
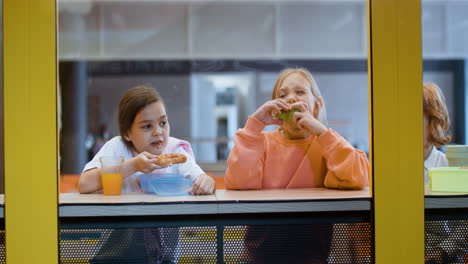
(435,159)
(116,147)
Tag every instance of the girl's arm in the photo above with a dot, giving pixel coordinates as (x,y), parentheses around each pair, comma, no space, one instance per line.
(90,180)
(348,168)
(246,160)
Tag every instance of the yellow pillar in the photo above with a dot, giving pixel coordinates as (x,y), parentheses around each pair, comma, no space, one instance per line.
(395,72)
(29,63)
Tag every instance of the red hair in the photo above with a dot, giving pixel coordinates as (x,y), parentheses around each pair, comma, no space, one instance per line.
(436,113)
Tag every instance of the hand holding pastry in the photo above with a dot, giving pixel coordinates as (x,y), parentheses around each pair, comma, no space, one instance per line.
(169,159)
(268,111)
(144,162)
(305,119)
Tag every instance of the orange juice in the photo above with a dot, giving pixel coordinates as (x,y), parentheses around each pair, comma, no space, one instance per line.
(111,183)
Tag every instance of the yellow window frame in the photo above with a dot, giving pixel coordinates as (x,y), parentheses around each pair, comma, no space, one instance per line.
(30,131)
(395,78)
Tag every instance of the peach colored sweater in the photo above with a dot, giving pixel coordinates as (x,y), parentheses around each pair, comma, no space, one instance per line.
(267,160)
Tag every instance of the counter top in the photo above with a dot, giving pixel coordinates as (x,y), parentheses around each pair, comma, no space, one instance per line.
(131,204)
(233,201)
(130,198)
(440,200)
(223,201)
(290,194)
(292,200)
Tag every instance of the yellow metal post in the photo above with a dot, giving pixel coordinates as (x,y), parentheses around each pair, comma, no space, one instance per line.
(29,63)
(395,60)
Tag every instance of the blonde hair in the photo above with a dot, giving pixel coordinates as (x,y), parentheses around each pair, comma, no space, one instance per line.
(321,115)
(436,112)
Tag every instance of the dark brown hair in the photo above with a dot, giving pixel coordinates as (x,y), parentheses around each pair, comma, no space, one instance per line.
(436,113)
(132,102)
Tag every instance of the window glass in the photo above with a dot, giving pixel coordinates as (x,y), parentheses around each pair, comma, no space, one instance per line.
(217,60)
(215,64)
(445,51)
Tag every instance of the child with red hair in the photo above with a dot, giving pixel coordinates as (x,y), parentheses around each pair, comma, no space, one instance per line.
(446,241)
(436,125)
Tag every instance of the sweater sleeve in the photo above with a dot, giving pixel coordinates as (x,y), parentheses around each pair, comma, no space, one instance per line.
(347,167)
(247,157)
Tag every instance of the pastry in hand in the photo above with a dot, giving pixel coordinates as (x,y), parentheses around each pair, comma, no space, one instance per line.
(169,159)
(286,116)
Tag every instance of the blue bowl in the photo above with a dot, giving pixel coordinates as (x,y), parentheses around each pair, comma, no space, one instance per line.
(165,184)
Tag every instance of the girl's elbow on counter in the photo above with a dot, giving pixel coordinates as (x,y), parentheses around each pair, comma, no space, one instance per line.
(238,185)
(84,188)
(229,185)
(357,183)
(352,184)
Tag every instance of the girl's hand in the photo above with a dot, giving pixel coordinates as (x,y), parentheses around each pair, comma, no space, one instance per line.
(145,162)
(204,184)
(268,111)
(304,119)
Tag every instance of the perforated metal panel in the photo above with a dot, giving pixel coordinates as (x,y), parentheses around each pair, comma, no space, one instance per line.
(317,243)
(295,243)
(284,244)
(352,243)
(2,247)
(446,241)
(198,245)
(126,245)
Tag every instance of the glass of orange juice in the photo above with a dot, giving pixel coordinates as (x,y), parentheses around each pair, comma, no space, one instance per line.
(111,174)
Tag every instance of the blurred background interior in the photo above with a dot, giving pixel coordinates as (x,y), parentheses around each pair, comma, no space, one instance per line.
(214,63)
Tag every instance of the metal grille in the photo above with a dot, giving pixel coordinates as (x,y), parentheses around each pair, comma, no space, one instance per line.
(351,243)
(295,243)
(127,245)
(2,247)
(314,243)
(198,245)
(446,241)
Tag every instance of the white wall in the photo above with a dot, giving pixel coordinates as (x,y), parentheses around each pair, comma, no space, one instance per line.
(230,29)
(114,30)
